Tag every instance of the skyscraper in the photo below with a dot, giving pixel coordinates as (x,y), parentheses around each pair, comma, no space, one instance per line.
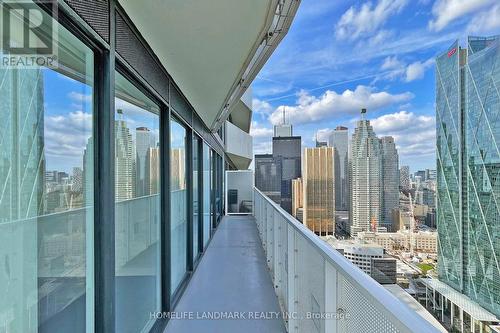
(22,147)
(287,154)
(177,169)
(404,178)
(365,178)
(390,180)
(319,190)
(144,139)
(124,161)
(339,139)
(268,176)
(468,170)
(297,195)
(283,129)
(152,174)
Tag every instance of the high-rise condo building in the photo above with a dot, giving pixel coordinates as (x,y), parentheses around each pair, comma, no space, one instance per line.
(404,178)
(339,139)
(390,181)
(365,178)
(287,153)
(319,190)
(468,182)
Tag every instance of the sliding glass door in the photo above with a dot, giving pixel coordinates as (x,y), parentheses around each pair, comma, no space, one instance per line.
(137,207)
(178,203)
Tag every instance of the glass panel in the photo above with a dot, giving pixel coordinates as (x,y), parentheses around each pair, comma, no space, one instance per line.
(137,215)
(178,202)
(206,194)
(46,190)
(196,195)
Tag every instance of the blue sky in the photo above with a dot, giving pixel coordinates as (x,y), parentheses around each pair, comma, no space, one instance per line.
(340,56)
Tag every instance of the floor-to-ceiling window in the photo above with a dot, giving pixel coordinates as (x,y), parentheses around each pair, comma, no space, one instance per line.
(207,200)
(178,203)
(46,184)
(196,195)
(137,207)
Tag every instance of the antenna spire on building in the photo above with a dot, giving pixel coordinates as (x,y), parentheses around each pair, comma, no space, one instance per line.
(363,112)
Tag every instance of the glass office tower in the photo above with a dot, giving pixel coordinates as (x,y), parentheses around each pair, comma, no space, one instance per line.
(468,165)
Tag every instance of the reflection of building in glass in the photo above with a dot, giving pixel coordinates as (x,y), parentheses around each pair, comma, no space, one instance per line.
(22,160)
(178,169)
(365,178)
(152,174)
(144,139)
(390,180)
(468,170)
(339,139)
(124,160)
(319,190)
(88,167)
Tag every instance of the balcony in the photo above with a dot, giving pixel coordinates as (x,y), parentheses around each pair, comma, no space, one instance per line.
(238,146)
(315,288)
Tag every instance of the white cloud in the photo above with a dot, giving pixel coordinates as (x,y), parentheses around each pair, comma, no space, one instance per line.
(258,132)
(417,70)
(313,109)
(79,97)
(391,63)
(367,19)
(264,147)
(415,135)
(322,134)
(259,106)
(446,11)
(67,135)
(486,21)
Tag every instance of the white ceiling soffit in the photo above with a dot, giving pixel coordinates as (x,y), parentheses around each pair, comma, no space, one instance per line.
(212,49)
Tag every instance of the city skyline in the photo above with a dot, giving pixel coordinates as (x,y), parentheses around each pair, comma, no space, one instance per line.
(382,60)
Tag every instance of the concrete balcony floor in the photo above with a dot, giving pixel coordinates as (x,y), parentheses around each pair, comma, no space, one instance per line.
(232,276)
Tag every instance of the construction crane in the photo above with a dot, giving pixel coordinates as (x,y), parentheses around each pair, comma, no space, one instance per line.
(412,225)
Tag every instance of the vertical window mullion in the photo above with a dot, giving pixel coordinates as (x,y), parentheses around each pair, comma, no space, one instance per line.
(165,209)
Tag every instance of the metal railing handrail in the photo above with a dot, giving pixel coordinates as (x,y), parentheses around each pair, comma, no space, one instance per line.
(399,312)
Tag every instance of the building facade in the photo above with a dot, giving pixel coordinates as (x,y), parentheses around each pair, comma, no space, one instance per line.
(339,139)
(468,169)
(319,190)
(297,195)
(404,178)
(365,179)
(268,176)
(287,153)
(390,181)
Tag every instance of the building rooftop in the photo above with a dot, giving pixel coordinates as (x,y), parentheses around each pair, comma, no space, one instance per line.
(464,302)
(413,304)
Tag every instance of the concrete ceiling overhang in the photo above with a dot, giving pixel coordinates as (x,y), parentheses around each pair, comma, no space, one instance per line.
(241,116)
(212,49)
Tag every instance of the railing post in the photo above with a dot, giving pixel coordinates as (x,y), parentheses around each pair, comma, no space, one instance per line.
(276,249)
(292,306)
